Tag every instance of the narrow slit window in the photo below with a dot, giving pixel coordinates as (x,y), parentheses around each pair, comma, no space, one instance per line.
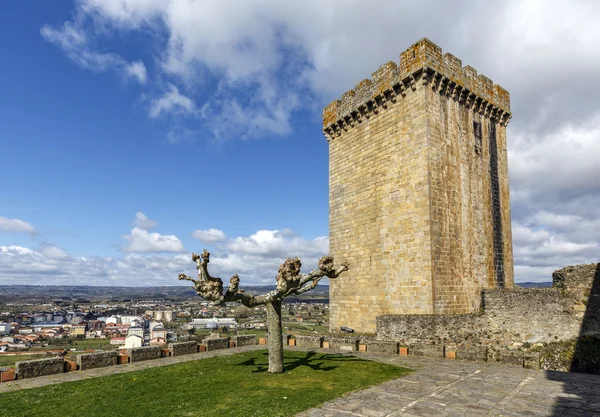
(477,134)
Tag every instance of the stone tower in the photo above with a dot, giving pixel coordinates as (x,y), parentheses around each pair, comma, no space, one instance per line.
(418,190)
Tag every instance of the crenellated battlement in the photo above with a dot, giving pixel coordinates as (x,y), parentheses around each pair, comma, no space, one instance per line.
(423,63)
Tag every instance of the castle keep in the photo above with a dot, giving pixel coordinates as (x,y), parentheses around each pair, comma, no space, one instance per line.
(418,190)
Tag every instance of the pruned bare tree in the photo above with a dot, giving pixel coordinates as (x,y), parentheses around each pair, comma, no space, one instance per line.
(289,281)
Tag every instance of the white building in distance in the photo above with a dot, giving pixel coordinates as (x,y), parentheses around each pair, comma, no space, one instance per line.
(212,323)
(133,341)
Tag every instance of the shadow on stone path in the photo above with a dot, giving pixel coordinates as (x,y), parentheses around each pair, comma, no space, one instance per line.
(442,387)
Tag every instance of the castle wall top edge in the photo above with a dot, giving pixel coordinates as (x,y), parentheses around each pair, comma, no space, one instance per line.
(424,54)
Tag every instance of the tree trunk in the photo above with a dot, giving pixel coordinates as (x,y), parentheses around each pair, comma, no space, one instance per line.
(275,338)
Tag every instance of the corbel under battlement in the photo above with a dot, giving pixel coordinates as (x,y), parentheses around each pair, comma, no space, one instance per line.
(422,63)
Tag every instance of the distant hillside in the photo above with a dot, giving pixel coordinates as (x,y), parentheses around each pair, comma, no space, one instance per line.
(547,284)
(83,294)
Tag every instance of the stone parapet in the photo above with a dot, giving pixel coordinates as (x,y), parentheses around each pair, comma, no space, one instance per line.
(342,343)
(429,351)
(472,353)
(314,342)
(244,340)
(581,281)
(96,360)
(216,343)
(381,346)
(422,62)
(145,353)
(429,328)
(183,348)
(39,367)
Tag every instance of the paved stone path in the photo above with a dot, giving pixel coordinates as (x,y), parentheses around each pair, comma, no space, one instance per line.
(442,387)
(437,387)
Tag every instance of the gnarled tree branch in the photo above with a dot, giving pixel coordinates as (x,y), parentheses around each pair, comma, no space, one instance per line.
(289,281)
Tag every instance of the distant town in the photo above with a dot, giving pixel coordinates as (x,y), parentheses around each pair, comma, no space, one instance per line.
(38,321)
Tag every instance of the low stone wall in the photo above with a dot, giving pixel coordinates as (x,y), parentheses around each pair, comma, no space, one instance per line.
(342,343)
(183,348)
(245,340)
(511,317)
(553,328)
(430,351)
(312,342)
(145,353)
(96,360)
(422,329)
(216,343)
(39,367)
(534,315)
(381,346)
(578,280)
(472,353)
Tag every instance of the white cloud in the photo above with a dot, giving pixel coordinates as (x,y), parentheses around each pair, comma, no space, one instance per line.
(209,236)
(256,258)
(245,68)
(282,243)
(266,55)
(141,221)
(52,252)
(137,70)
(74,42)
(171,102)
(16,225)
(142,241)
(19,265)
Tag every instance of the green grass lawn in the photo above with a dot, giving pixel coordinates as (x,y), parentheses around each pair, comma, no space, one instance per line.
(236,385)
(11,360)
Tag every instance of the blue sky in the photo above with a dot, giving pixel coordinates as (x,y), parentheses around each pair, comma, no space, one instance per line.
(132,128)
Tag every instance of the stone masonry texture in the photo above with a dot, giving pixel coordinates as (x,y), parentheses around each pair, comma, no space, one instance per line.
(39,367)
(183,348)
(216,343)
(510,316)
(314,342)
(97,360)
(245,340)
(418,190)
(144,353)
(561,325)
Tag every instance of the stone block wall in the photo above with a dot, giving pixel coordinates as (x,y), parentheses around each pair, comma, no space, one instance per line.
(430,351)
(413,207)
(183,348)
(411,329)
(381,346)
(473,353)
(536,315)
(553,328)
(314,342)
(216,343)
(510,317)
(342,343)
(145,353)
(576,280)
(96,360)
(245,340)
(39,367)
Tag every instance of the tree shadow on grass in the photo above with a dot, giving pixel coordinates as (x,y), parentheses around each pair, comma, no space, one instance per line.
(315,361)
